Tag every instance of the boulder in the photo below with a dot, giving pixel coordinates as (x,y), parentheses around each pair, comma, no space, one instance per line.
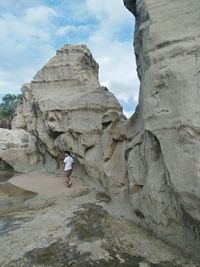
(18,149)
(63,107)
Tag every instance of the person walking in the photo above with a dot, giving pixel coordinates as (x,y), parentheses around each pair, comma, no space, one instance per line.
(68,168)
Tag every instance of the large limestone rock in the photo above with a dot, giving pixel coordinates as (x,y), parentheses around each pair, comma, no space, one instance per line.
(164,158)
(63,107)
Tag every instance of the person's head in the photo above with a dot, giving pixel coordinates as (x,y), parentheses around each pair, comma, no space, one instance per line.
(67,153)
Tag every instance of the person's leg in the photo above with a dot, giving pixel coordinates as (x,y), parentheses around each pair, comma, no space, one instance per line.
(68,178)
(69,182)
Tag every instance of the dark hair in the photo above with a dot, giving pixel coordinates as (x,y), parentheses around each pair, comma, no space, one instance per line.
(67,152)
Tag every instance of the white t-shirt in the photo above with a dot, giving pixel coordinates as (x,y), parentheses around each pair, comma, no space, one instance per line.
(68,163)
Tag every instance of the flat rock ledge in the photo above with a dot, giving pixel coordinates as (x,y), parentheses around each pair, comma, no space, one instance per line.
(57,226)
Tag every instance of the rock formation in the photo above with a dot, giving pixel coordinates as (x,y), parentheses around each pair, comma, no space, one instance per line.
(164,158)
(148,166)
(18,150)
(63,107)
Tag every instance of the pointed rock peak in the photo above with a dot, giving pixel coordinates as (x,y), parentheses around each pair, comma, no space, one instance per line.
(72,64)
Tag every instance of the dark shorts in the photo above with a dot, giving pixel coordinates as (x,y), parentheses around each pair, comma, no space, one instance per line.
(68,173)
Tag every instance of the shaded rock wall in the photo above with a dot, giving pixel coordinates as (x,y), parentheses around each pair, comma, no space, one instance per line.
(5,123)
(164,162)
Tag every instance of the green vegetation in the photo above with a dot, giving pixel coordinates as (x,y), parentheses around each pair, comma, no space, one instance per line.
(8,106)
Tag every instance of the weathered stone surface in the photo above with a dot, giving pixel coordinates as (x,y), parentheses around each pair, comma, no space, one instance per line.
(72,228)
(18,149)
(164,162)
(63,107)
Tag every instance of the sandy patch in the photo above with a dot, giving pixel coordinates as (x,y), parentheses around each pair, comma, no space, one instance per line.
(46,184)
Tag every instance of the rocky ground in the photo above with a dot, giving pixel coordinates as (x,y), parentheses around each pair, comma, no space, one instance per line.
(43,223)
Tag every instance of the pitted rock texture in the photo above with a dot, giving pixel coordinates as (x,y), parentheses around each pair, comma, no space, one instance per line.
(73,229)
(63,107)
(164,159)
(19,151)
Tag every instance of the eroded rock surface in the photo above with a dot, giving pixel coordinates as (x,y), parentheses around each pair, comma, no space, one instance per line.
(73,229)
(18,151)
(63,107)
(164,159)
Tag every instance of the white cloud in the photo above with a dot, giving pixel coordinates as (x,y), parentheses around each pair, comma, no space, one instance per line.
(39,15)
(114,55)
(65,30)
(110,13)
(32,23)
(17,5)
(25,45)
(118,70)
(128,114)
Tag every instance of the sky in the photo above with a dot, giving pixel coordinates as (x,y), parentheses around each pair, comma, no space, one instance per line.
(32,30)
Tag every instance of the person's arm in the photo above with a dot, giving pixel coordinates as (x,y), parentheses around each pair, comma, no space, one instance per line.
(72,163)
(63,163)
